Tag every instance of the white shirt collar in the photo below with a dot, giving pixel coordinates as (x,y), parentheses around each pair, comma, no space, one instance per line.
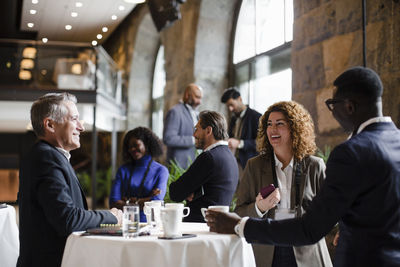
(279,164)
(242,113)
(371,121)
(64,152)
(219,143)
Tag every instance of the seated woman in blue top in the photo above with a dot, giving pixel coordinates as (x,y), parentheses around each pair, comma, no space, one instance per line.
(140,178)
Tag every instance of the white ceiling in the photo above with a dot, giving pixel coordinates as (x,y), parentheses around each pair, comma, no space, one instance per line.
(53,15)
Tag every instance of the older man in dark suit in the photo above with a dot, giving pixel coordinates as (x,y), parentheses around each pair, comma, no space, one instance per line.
(51,202)
(213,176)
(361,190)
(178,127)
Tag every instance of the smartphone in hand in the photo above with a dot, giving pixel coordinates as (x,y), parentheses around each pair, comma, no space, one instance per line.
(265,191)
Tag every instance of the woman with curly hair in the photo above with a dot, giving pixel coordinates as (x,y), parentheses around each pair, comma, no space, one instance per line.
(140,178)
(286,142)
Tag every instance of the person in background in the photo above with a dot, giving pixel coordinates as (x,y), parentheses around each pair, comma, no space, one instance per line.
(178,127)
(140,178)
(286,142)
(361,189)
(242,128)
(51,202)
(213,176)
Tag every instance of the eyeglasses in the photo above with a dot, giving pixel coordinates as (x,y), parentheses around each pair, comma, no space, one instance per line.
(330,103)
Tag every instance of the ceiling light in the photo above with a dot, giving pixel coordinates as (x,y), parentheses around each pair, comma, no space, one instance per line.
(32,11)
(68,27)
(104,29)
(99,36)
(29,52)
(44,40)
(94,42)
(78,4)
(35,2)
(113,17)
(8,64)
(74,14)
(43,72)
(30,25)
(134,1)
(27,63)
(25,75)
(121,8)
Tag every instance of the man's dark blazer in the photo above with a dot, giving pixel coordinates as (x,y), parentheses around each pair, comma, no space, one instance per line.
(248,135)
(361,192)
(216,171)
(178,135)
(51,206)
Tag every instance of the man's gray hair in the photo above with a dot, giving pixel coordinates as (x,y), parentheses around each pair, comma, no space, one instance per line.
(49,106)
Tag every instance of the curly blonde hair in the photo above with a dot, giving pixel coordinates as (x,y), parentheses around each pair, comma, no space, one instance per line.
(301,129)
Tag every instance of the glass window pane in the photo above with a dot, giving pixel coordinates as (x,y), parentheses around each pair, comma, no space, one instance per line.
(271,89)
(288,20)
(270,24)
(159,81)
(244,46)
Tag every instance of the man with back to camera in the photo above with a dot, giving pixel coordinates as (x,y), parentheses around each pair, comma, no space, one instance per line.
(242,128)
(178,127)
(51,202)
(361,190)
(213,176)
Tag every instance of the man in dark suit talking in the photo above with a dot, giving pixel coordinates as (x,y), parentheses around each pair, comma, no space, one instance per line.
(361,190)
(51,202)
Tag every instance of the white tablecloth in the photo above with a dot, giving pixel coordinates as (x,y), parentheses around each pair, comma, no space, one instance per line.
(207,249)
(9,237)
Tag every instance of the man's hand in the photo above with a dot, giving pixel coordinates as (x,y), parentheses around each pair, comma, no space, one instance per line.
(233,143)
(265,204)
(118,214)
(222,222)
(336,239)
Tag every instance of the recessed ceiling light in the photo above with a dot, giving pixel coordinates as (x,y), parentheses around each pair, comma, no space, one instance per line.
(32,11)
(99,36)
(30,25)
(94,42)
(35,2)
(44,40)
(113,17)
(68,27)
(74,14)
(104,29)
(78,4)
(121,8)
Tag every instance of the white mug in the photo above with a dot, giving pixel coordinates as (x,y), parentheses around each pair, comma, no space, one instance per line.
(215,208)
(171,219)
(184,210)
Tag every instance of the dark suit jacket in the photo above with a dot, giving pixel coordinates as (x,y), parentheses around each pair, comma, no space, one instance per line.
(216,170)
(248,135)
(51,206)
(362,192)
(178,135)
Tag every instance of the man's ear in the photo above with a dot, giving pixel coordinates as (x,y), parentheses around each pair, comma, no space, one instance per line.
(350,107)
(49,125)
(209,130)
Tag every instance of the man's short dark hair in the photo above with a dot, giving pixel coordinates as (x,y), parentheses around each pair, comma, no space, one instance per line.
(230,93)
(216,121)
(359,81)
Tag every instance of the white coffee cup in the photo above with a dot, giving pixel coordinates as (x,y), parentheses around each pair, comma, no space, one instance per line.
(184,210)
(220,208)
(152,211)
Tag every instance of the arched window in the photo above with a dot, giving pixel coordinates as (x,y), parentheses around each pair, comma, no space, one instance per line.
(158,93)
(261,55)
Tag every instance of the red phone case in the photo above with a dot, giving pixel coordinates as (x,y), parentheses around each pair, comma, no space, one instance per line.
(265,191)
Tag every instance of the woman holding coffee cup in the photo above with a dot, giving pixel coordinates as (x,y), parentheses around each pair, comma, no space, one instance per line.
(286,142)
(140,178)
